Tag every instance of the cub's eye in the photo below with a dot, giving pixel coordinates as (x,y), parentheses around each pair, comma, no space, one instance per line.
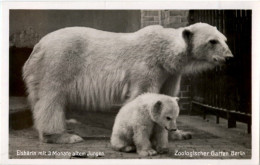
(168,118)
(213,42)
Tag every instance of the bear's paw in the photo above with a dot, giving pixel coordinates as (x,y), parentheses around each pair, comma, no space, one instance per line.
(64,138)
(180,135)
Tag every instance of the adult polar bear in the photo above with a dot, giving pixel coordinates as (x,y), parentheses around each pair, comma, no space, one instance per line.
(83,67)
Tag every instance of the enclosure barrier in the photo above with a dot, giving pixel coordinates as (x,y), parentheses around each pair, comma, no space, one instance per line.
(226,91)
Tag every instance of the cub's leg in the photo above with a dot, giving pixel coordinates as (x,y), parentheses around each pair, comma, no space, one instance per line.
(142,141)
(160,139)
(49,118)
(122,145)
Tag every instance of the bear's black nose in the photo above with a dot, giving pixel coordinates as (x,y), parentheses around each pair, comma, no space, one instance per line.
(228,58)
(173,129)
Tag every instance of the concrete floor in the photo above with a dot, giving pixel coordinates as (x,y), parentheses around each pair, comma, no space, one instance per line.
(210,141)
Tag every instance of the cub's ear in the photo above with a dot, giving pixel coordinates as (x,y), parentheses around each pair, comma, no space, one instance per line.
(187,35)
(157,108)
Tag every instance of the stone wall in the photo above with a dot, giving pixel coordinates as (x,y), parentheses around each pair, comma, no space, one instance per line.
(174,18)
(166,18)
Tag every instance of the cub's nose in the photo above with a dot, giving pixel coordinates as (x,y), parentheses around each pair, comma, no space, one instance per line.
(172,130)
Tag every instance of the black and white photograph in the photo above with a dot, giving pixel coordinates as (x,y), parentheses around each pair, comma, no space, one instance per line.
(168,84)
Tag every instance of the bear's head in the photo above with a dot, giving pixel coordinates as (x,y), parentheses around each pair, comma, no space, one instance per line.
(165,111)
(206,47)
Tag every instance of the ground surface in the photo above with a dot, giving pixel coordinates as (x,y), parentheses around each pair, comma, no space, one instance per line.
(210,141)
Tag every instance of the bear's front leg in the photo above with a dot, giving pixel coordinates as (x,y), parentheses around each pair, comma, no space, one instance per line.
(142,141)
(180,135)
(171,87)
(141,86)
(160,139)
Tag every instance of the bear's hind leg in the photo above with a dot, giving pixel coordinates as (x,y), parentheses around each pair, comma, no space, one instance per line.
(62,138)
(49,118)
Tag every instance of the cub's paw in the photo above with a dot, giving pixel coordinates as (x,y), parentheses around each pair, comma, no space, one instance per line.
(62,138)
(129,149)
(161,150)
(180,135)
(149,152)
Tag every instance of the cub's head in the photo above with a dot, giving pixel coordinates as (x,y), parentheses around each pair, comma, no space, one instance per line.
(165,112)
(206,47)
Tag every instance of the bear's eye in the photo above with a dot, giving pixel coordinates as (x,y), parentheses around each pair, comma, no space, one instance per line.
(168,118)
(213,42)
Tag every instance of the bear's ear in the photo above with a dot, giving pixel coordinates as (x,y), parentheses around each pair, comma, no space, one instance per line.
(157,108)
(187,35)
(176,98)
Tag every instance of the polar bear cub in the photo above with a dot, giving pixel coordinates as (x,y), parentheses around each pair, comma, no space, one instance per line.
(143,124)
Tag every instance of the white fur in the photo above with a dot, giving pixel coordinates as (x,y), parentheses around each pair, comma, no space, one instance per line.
(141,120)
(84,68)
